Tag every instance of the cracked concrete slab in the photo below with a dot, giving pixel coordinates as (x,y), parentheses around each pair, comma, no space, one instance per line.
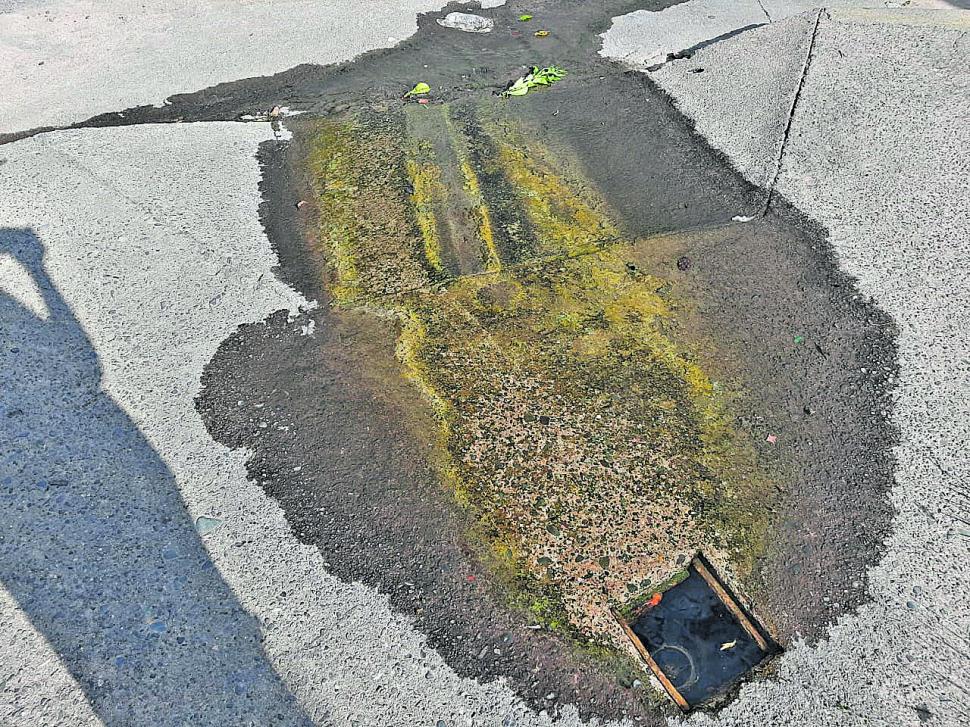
(643,39)
(877,152)
(151,259)
(65,61)
(729,74)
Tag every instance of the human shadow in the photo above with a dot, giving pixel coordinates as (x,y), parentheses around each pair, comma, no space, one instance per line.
(97,547)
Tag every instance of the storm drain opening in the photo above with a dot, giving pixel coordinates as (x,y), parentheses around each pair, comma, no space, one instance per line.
(696,638)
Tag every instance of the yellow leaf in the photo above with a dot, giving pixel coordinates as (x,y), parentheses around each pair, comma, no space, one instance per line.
(419,89)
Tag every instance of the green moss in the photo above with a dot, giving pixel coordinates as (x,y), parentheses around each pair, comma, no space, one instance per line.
(368,224)
(575,423)
(331,162)
(426,183)
(564,222)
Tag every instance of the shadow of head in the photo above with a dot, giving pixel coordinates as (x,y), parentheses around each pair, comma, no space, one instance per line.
(96,545)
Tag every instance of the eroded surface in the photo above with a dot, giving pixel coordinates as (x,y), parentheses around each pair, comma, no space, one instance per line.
(399,416)
(593,453)
(571,413)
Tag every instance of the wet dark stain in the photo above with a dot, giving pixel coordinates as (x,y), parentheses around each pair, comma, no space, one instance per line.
(342,452)
(342,448)
(923,713)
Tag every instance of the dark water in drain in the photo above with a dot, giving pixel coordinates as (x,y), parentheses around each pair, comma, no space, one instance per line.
(685,634)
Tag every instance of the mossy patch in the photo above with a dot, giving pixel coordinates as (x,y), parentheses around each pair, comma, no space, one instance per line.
(590,447)
(426,188)
(368,223)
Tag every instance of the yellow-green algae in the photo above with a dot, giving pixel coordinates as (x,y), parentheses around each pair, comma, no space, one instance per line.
(592,450)
(566,223)
(426,183)
(367,221)
(492,262)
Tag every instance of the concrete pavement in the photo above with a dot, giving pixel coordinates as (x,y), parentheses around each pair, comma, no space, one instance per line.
(64,62)
(174,260)
(876,152)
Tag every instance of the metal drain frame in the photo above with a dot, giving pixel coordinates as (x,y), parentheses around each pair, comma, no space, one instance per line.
(704,569)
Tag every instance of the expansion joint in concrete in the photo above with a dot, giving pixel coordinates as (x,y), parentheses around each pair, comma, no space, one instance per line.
(779,157)
(765,11)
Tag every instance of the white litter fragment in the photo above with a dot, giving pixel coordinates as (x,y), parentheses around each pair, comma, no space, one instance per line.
(486,4)
(308,329)
(205,524)
(741,218)
(467,22)
(276,113)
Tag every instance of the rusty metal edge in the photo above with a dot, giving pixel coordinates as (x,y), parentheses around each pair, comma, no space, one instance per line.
(654,667)
(726,598)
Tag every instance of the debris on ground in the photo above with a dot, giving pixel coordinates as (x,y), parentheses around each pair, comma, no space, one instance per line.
(771,439)
(274,114)
(535,78)
(729,645)
(418,90)
(525,18)
(205,525)
(655,599)
(683,263)
(799,340)
(467,22)
(541,33)
(742,218)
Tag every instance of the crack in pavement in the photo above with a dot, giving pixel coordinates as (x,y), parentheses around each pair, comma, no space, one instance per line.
(764,10)
(791,113)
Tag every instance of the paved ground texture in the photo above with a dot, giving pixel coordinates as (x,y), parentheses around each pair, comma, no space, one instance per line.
(876,153)
(129,255)
(82,58)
